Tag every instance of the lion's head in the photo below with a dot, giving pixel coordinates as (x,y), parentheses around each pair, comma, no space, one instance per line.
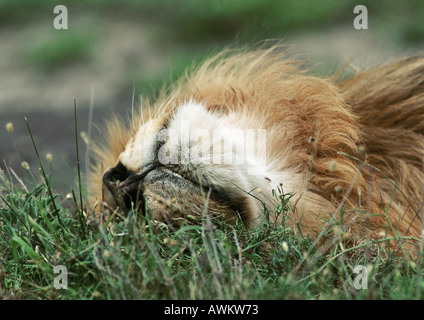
(242,124)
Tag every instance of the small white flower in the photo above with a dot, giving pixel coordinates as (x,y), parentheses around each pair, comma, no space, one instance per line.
(285,247)
(9,127)
(25,165)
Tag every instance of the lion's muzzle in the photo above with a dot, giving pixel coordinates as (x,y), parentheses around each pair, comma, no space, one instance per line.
(126,187)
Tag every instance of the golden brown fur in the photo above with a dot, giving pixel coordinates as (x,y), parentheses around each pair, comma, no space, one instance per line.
(352,149)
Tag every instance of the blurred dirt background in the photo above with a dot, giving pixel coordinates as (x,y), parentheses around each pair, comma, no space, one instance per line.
(115,51)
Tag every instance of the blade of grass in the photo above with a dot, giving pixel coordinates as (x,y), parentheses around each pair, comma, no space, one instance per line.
(79,172)
(31,253)
(46,180)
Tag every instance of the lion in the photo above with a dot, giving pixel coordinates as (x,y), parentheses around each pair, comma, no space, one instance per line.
(348,150)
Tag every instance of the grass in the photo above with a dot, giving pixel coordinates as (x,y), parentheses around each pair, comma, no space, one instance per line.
(138,259)
(135,258)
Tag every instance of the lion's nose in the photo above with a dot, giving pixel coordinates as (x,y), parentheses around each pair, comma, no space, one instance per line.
(114,175)
(125,187)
